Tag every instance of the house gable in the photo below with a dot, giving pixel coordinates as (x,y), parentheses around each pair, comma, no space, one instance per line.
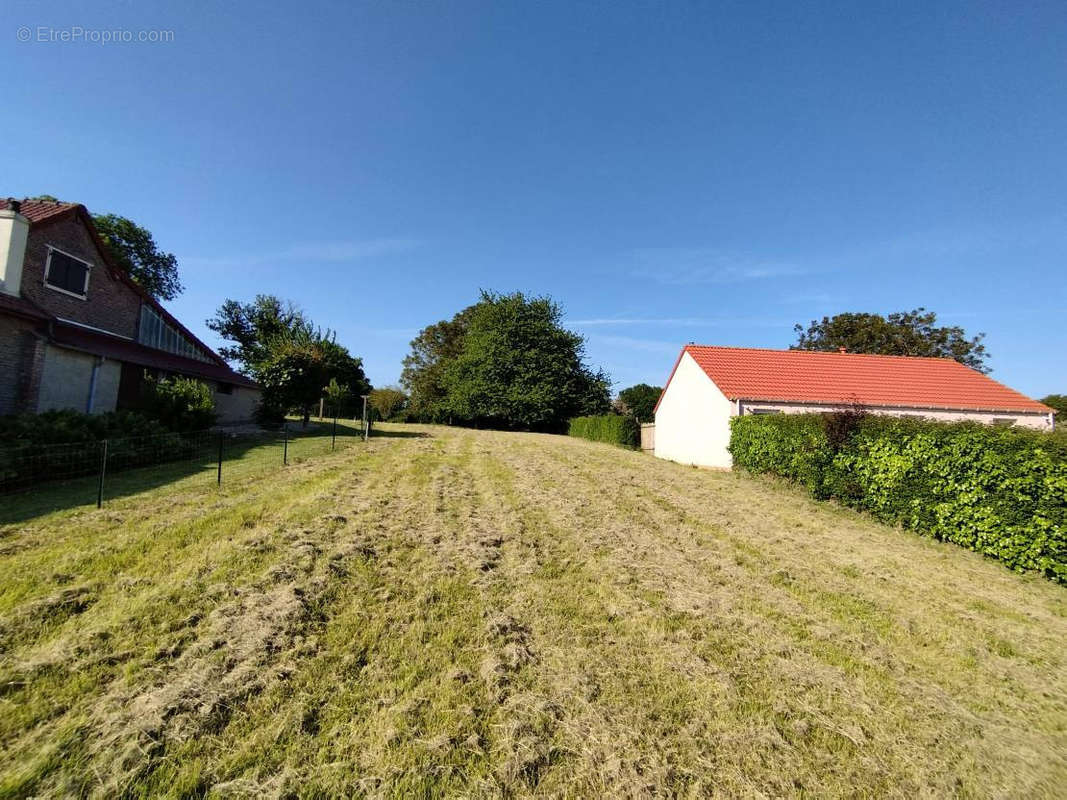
(693,418)
(109,303)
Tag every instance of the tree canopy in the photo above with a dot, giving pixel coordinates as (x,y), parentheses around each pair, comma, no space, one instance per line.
(505,362)
(294,361)
(639,401)
(387,401)
(134,249)
(903,333)
(423,374)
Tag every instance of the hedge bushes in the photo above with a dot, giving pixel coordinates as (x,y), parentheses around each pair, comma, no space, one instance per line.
(998,491)
(610,428)
(68,426)
(66,444)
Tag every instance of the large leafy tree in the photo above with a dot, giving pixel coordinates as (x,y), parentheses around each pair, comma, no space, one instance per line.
(292,359)
(904,333)
(134,249)
(639,401)
(252,327)
(423,374)
(512,365)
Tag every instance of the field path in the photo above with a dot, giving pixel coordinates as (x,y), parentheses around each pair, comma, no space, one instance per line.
(447,612)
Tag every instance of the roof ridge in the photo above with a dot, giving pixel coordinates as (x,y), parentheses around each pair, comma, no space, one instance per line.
(825,352)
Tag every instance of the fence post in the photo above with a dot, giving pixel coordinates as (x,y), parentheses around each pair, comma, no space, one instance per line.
(285,444)
(218,479)
(333,442)
(103,470)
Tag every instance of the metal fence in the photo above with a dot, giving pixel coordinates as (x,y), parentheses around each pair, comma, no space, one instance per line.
(93,466)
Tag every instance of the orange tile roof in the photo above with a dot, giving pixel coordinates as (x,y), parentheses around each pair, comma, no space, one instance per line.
(809,376)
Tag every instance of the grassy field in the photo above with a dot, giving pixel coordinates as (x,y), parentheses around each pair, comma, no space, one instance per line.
(451,612)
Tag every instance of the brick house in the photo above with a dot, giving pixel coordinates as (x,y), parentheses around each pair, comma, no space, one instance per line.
(709,385)
(75,330)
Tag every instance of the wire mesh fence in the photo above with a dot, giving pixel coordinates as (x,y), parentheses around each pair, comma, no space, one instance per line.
(90,470)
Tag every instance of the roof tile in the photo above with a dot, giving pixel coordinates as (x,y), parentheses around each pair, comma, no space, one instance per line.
(808,376)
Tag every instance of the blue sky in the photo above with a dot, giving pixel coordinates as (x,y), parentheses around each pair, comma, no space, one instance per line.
(668,173)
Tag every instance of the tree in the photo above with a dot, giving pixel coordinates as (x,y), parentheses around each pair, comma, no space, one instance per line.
(904,333)
(1058,403)
(387,402)
(336,393)
(293,360)
(639,401)
(518,368)
(134,249)
(423,374)
(253,326)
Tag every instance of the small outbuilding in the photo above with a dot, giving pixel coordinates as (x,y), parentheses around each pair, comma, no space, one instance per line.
(709,385)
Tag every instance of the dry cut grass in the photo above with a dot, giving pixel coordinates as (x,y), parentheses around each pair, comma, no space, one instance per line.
(484,614)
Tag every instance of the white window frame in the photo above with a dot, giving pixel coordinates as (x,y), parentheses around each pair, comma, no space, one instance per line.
(48,269)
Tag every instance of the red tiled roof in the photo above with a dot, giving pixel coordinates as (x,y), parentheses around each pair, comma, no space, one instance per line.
(103,344)
(39,210)
(808,376)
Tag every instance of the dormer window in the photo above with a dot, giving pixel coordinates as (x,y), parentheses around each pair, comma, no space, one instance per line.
(65,273)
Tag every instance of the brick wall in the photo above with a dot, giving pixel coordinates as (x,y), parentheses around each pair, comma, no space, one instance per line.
(110,305)
(21,361)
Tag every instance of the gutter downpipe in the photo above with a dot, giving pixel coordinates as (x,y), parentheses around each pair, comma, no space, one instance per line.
(92,384)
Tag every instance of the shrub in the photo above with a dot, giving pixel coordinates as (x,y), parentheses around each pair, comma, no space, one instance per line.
(998,491)
(180,404)
(610,428)
(269,414)
(68,426)
(65,444)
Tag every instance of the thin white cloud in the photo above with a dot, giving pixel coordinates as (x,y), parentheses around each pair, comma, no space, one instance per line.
(311,252)
(706,265)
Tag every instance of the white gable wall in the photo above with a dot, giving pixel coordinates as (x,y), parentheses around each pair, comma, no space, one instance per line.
(693,419)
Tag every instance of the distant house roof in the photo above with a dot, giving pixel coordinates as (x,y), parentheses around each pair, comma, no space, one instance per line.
(834,378)
(40,212)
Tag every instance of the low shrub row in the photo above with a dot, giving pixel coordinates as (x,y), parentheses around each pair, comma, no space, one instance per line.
(610,428)
(998,491)
(169,426)
(68,427)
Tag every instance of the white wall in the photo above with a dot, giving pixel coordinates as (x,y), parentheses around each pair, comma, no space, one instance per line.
(14,231)
(67,377)
(240,406)
(693,419)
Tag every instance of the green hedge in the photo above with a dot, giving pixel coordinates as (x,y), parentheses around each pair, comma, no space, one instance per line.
(610,428)
(66,444)
(998,491)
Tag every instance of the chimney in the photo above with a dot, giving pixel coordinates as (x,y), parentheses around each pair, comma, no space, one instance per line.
(14,229)
(842,349)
